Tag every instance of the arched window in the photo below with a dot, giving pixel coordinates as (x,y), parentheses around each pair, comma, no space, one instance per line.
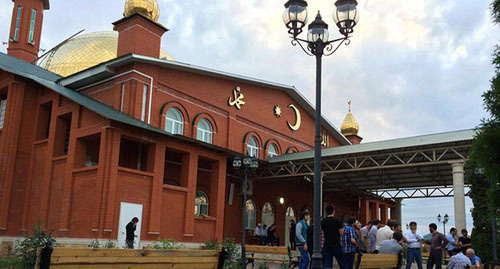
(174,121)
(204,131)
(251,215)
(267,215)
(272,151)
(290,212)
(253,147)
(201,204)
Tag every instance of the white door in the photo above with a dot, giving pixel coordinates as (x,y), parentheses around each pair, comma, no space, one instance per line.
(290,214)
(127,212)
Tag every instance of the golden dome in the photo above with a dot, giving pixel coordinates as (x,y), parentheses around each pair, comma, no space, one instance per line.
(350,125)
(84,51)
(148,8)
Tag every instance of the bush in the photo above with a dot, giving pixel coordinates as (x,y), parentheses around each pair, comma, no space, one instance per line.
(11,262)
(211,245)
(233,259)
(27,248)
(109,244)
(166,244)
(94,244)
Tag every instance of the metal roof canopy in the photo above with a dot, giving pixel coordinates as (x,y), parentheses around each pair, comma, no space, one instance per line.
(410,167)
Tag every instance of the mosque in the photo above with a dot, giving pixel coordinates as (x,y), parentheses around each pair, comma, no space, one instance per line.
(107,126)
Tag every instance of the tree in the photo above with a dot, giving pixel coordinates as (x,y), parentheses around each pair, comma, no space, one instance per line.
(485,192)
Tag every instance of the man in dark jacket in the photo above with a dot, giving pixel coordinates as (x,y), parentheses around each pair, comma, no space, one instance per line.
(131,226)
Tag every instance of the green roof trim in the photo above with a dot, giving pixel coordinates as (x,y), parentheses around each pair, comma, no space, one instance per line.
(406,142)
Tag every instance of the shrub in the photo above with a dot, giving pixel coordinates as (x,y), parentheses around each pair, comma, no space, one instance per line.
(109,244)
(27,248)
(94,244)
(211,245)
(166,244)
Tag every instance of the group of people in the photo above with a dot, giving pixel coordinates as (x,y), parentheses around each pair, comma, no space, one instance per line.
(342,242)
(266,236)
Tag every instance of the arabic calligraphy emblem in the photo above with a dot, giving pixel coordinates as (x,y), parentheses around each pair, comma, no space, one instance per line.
(237,99)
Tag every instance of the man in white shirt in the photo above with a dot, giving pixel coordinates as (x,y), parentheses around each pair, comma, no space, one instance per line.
(385,233)
(256,232)
(413,240)
(365,243)
(372,235)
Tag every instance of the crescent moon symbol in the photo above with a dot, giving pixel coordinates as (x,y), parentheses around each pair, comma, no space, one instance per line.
(298,121)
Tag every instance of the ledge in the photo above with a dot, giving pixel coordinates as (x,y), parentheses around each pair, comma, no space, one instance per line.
(134,171)
(60,158)
(175,188)
(208,218)
(85,169)
(43,141)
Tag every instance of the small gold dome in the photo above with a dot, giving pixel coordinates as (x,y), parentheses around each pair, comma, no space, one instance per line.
(84,51)
(148,8)
(350,125)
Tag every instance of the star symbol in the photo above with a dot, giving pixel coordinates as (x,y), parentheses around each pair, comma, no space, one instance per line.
(277,111)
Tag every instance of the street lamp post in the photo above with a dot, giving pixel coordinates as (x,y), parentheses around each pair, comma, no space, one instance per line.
(246,163)
(317,44)
(445,220)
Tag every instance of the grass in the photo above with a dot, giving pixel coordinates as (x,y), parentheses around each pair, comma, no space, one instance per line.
(10,262)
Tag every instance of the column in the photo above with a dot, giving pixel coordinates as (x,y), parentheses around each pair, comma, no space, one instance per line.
(157,189)
(458,194)
(365,211)
(383,213)
(190,177)
(8,147)
(398,212)
(217,196)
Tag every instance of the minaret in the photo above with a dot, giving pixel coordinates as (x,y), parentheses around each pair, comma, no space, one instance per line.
(26,29)
(350,127)
(139,31)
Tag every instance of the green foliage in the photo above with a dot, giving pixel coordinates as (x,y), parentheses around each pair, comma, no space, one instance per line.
(486,154)
(109,244)
(27,248)
(11,262)
(94,244)
(212,245)
(233,259)
(167,244)
(285,265)
(262,265)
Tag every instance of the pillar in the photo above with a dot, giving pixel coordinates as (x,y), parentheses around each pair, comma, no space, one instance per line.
(189,176)
(398,212)
(157,189)
(365,211)
(8,147)
(383,213)
(217,196)
(458,194)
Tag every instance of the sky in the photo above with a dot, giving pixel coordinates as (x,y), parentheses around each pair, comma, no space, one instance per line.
(413,67)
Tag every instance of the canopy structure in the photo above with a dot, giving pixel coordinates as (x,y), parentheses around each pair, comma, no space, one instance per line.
(414,167)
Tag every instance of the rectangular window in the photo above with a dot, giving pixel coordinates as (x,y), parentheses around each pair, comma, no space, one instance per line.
(18,22)
(134,155)
(63,128)
(144,100)
(43,124)
(3,105)
(87,151)
(32,26)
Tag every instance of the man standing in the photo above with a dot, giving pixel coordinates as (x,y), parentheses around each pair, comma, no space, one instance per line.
(263,235)
(464,241)
(458,261)
(385,233)
(131,226)
(372,235)
(437,244)
(256,233)
(414,239)
(349,243)
(332,230)
(292,234)
(452,246)
(301,239)
(365,243)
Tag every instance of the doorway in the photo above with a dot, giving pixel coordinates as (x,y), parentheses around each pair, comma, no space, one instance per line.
(127,212)
(290,214)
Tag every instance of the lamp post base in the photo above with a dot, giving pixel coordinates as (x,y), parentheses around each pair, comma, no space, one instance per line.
(316,261)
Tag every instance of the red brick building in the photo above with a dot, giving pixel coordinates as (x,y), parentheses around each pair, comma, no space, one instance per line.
(137,132)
